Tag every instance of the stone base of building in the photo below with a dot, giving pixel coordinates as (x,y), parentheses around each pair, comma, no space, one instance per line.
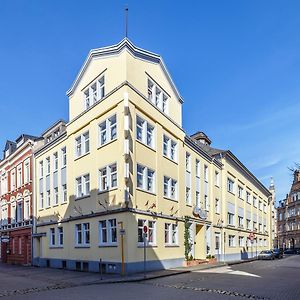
(107,266)
(236,256)
(17,249)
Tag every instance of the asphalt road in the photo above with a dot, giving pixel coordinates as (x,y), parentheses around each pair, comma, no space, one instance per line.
(279,279)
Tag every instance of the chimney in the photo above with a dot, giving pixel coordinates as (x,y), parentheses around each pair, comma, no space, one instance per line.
(296,176)
(201,137)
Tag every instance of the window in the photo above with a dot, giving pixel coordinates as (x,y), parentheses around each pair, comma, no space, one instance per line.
(151,235)
(64,193)
(231,241)
(144,132)
(55,161)
(206,204)
(60,236)
(169,148)
(83,186)
(19,175)
(217,240)
(241,221)
(188,195)
(240,192)
(108,178)
(19,212)
(108,232)
(63,157)
(157,97)
(188,162)
(171,234)
(48,199)
(197,168)
(52,237)
(55,195)
(230,219)
(170,188)
(198,202)
(94,93)
(248,224)
(260,205)
(145,178)
(217,206)
(20,245)
(206,173)
(27,171)
(230,185)
(82,234)
(265,208)
(41,169)
(82,144)
(254,226)
(108,130)
(27,209)
(13,179)
(47,165)
(254,201)
(41,200)
(217,178)
(241,241)
(248,198)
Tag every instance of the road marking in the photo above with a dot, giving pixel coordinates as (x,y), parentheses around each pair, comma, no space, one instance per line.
(227,270)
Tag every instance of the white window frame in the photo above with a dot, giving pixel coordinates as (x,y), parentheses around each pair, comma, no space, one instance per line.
(19,175)
(157,96)
(55,161)
(230,217)
(82,181)
(27,170)
(82,144)
(63,157)
(145,132)
(230,185)
(171,234)
(170,188)
(60,236)
(106,128)
(169,148)
(217,178)
(109,231)
(141,223)
(52,237)
(106,175)
(84,231)
(231,240)
(146,179)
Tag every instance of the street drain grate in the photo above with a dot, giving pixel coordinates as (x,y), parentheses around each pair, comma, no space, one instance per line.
(215,291)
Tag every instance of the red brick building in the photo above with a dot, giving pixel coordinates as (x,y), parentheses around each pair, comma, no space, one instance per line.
(16,200)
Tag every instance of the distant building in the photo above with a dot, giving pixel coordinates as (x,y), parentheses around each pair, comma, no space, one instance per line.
(16,200)
(288,217)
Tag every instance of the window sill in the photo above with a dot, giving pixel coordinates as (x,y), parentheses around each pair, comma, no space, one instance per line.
(230,225)
(149,147)
(170,199)
(63,203)
(82,197)
(56,247)
(172,246)
(83,246)
(141,245)
(170,159)
(230,192)
(107,191)
(82,155)
(189,205)
(145,191)
(108,245)
(217,186)
(55,205)
(48,207)
(107,143)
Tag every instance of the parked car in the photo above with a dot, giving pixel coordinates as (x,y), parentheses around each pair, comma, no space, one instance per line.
(278,253)
(289,251)
(266,254)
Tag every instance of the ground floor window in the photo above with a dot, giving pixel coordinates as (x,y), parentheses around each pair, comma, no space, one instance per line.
(151,234)
(82,234)
(108,232)
(231,241)
(171,234)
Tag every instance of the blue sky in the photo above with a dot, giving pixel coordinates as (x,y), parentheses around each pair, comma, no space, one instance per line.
(236,64)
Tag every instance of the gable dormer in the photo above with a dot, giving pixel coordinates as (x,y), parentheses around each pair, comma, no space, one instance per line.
(107,69)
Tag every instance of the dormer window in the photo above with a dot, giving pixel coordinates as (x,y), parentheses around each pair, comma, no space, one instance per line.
(94,92)
(157,97)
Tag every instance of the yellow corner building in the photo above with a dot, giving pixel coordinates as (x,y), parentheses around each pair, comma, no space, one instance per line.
(123,164)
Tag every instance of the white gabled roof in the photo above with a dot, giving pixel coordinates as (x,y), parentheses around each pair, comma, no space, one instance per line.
(116,49)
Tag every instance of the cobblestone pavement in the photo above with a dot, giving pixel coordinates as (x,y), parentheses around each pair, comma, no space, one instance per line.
(259,280)
(279,279)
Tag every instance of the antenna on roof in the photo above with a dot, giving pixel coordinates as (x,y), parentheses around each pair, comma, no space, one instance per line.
(126,21)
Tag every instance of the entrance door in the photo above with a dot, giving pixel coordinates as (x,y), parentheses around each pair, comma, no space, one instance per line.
(4,252)
(200,244)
